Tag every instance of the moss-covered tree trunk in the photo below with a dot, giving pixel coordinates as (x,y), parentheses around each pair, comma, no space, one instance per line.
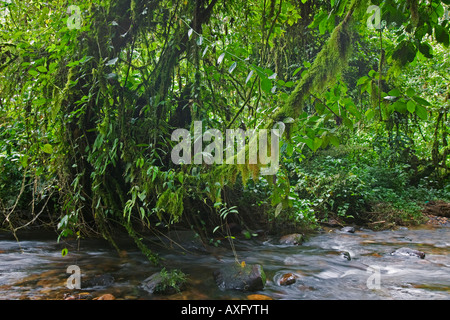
(100,110)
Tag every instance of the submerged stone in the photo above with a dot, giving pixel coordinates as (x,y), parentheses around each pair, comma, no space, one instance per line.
(294,239)
(242,278)
(287,279)
(348,229)
(408,252)
(345,255)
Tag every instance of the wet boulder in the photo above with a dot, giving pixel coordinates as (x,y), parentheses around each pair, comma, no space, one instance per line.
(240,277)
(345,255)
(293,239)
(408,252)
(348,229)
(287,279)
(164,282)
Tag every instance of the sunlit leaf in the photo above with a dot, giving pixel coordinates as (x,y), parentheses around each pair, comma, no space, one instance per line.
(232,67)
(220,59)
(47,148)
(249,76)
(112,62)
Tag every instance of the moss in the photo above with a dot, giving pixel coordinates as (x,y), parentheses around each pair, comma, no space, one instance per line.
(330,61)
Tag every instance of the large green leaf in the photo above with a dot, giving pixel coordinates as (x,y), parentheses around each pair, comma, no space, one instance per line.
(47,148)
(441,35)
(404,53)
(421,112)
(411,106)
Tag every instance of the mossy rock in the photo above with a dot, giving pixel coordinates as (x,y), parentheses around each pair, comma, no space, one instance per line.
(165,283)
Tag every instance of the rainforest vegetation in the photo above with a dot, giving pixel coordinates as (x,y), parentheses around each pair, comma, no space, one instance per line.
(91,91)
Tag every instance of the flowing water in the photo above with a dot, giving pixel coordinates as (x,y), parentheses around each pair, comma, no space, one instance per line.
(34,268)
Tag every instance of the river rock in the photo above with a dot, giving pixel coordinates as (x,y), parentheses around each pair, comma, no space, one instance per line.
(242,278)
(408,252)
(287,279)
(156,284)
(345,255)
(348,229)
(293,239)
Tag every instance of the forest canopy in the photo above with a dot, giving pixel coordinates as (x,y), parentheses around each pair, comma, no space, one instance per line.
(91,92)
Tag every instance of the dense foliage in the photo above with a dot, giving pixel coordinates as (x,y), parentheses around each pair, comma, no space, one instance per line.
(90,94)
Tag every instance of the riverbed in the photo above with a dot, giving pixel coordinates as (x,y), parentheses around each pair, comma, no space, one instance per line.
(331,264)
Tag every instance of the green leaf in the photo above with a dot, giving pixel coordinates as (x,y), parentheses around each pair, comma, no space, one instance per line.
(410,92)
(297,71)
(405,52)
(155,172)
(421,112)
(190,33)
(24,160)
(399,106)
(373,73)
(426,50)
(42,69)
(266,85)
(47,148)
(323,26)
(441,35)
(421,101)
(334,141)
(289,84)
(362,80)
(370,114)
(411,106)
(33,72)
(73,64)
(314,144)
(64,252)
(247,234)
(395,92)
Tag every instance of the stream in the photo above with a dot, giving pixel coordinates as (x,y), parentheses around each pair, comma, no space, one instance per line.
(330,264)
